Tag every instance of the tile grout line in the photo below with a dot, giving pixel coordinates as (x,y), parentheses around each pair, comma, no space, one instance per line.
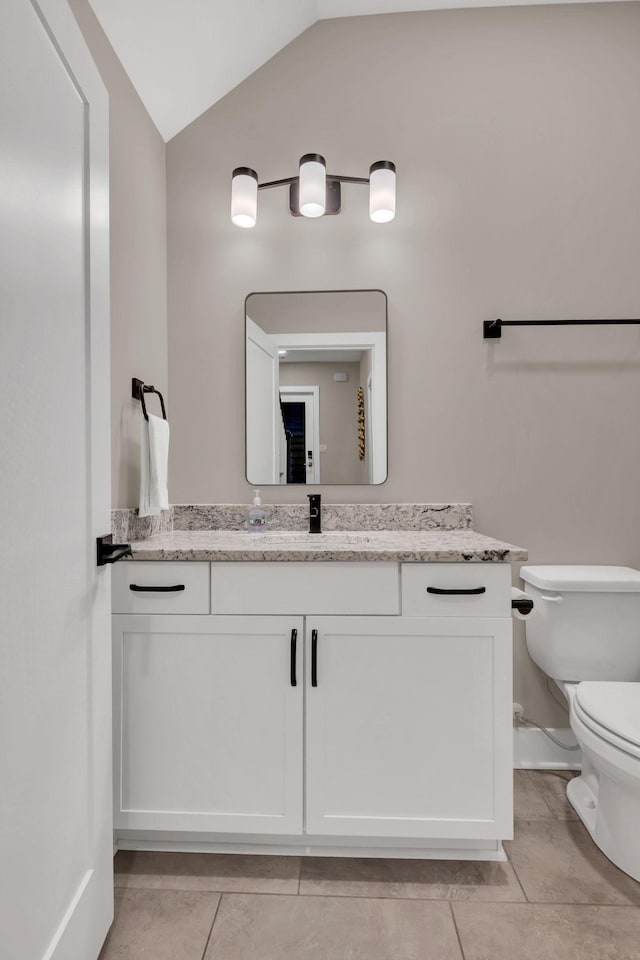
(215,917)
(520,884)
(515,821)
(392,899)
(454,899)
(515,872)
(299,875)
(455,927)
(240,891)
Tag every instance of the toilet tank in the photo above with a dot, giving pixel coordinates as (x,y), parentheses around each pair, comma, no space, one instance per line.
(587,621)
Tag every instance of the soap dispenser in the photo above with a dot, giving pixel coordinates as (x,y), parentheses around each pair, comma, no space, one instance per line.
(257,516)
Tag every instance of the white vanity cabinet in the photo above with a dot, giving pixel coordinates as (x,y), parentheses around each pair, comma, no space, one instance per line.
(408,730)
(372,729)
(208,726)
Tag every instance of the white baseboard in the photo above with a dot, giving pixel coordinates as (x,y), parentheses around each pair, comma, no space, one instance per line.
(533,751)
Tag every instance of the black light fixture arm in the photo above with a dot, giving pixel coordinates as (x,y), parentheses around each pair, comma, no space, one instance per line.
(492,329)
(340,179)
(287,181)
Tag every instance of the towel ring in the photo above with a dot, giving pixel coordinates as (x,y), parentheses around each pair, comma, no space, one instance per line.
(138,390)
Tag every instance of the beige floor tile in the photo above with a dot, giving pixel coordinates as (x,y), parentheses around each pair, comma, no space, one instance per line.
(234,873)
(552,786)
(160,925)
(330,928)
(558,862)
(542,795)
(528,802)
(411,879)
(506,931)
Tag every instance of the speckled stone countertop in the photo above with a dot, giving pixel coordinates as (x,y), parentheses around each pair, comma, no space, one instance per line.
(407,546)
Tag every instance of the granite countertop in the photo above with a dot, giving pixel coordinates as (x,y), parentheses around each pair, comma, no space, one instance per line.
(408,546)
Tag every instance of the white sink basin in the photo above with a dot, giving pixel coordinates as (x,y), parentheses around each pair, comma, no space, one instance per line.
(301,537)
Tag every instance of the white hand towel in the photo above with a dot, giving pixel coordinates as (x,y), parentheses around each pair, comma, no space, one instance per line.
(154,464)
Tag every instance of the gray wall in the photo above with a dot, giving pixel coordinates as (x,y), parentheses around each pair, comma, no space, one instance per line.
(138,255)
(516,134)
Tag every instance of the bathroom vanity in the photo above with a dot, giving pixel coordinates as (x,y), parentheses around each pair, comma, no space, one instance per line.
(344,693)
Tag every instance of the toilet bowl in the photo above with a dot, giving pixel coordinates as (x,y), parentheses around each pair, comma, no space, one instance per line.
(605,718)
(587,638)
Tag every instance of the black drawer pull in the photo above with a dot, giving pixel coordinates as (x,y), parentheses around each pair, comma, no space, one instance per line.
(441,592)
(176,588)
(314,658)
(294,647)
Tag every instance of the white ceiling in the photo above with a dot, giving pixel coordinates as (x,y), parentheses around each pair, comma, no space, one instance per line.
(184,56)
(362,8)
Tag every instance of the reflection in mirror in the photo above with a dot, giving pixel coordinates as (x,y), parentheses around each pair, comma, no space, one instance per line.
(316,387)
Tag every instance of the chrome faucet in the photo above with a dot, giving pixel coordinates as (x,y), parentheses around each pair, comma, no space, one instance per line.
(315,513)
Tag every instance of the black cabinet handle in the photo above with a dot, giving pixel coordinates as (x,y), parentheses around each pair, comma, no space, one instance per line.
(294,647)
(176,588)
(472,591)
(314,658)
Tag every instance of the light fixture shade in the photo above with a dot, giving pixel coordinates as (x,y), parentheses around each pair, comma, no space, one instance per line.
(313,185)
(244,197)
(382,191)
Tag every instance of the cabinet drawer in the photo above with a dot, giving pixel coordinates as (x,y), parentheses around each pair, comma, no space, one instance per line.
(489,586)
(133,584)
(298,589)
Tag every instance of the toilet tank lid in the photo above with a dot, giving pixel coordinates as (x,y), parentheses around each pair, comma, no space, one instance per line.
(583,578)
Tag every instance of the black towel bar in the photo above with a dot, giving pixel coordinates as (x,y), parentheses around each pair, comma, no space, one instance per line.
(492,329)
(138,390)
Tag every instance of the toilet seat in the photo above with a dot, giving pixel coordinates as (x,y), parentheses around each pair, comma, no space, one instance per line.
(606,796)
(611,710)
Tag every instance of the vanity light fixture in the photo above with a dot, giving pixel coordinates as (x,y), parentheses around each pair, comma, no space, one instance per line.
(312,185)
(314,192)
(244,197)
(382,191)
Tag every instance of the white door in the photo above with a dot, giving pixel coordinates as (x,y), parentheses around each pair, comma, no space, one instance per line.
(310,397)
(408,728)
(264,420)
(56,840)
(208,710)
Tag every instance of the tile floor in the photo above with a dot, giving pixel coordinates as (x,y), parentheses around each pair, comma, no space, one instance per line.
(557,898)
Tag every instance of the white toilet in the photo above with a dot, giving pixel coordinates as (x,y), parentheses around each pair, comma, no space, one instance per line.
(585,635)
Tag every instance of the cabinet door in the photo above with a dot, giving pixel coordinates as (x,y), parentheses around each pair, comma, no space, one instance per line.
(409,728)
(208,723)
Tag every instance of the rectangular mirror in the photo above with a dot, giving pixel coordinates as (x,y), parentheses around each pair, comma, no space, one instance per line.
(316,387)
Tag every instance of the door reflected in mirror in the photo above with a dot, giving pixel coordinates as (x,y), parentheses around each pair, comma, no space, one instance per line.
(316,387)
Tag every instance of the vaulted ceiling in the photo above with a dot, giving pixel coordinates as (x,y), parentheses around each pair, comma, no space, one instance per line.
(184,55)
